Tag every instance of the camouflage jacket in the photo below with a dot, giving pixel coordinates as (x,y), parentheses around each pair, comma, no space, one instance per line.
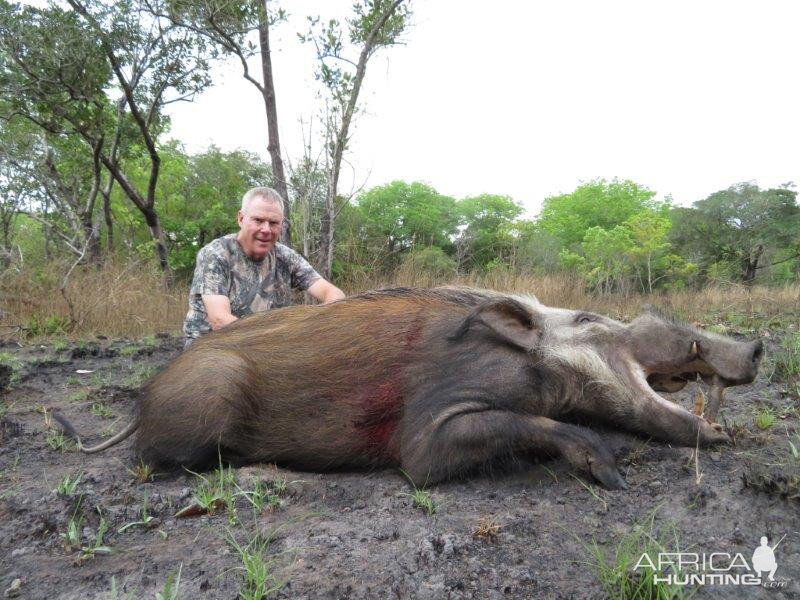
(253,286)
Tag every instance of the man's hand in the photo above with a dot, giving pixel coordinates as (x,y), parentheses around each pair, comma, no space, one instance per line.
(325,291)
(218,308)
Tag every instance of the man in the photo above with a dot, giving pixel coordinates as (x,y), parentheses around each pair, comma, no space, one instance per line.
(248,272)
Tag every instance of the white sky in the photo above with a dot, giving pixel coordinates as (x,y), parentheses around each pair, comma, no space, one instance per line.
(529,99)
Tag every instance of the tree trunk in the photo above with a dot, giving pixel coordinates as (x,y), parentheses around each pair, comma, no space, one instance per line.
(341,137)
(151,218)
(326,232)
(750,265)
(108,217)
(92,239)
(274,145)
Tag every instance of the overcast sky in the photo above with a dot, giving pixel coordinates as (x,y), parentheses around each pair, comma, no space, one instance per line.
(529,99)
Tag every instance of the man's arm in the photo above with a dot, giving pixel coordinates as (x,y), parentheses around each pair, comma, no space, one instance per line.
(219,310)
(325,291)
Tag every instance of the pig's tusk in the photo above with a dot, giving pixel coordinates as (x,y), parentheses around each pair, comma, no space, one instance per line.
(715,400)
(699,400)
(694,349)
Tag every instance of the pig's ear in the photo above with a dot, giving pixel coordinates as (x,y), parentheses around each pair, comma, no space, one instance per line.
(506,318)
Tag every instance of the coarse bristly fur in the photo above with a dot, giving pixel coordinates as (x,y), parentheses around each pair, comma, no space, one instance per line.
(437,381)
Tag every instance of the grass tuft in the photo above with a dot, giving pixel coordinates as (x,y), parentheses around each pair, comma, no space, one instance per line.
(172,586)
(137,375)
(616,569)
(258,580)
(420,497)
(81,396)
(59,441)
(141,472)
(101,410)
(487,529)
(765,418)
(68,485)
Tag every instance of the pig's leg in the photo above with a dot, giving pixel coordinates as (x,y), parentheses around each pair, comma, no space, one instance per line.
(649,413)
(463,441)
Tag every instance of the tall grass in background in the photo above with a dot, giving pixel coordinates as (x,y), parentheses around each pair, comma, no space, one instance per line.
(117,299)
(130,299)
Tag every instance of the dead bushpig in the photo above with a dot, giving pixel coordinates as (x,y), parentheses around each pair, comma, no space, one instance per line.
(437,382)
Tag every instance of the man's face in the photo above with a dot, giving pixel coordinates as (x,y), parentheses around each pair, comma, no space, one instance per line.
(260,227)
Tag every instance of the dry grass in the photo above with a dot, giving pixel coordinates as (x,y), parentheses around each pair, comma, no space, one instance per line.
(487,529)
(115,300)
(757,305)
(131,300)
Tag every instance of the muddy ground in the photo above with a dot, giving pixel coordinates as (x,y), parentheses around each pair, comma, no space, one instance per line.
(525,533)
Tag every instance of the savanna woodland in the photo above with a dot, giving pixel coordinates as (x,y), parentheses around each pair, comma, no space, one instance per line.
(103,213)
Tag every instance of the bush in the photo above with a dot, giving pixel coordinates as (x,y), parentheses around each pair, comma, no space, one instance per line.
(428,265)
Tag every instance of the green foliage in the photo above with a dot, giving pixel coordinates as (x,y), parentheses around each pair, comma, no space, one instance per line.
(98,546)
(264,495)
(115,593)
(737,231)
(52,67)
(634,255)
(428,262)
(141,472)
(398,215)
(488,233)
(201,195)
(598,203)
(216,493)
(5,408)
(144,518)
(615,235)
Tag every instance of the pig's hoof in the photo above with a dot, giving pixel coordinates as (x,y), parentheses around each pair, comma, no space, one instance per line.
(714,433)
(606,472)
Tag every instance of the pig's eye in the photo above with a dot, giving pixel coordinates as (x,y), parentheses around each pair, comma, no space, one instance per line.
(585,319)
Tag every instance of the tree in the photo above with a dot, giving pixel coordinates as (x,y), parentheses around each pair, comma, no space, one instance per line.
(741,226)
(57,65)
(488,221)
(634,254)
(227,26)
(376,24)
(53,172)
(595,204)
(308,184)
(205,198)
(400,215)
(17,190)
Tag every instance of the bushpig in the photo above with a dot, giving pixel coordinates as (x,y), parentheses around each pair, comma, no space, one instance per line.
(439,382)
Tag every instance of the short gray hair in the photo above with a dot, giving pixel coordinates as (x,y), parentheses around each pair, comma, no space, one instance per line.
(266,193)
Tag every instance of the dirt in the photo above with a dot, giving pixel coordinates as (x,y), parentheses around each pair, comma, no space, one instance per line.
(523,532)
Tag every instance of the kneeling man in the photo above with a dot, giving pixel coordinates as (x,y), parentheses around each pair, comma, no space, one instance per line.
(249,271)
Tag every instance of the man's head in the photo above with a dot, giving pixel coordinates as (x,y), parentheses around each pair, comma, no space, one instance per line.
(260,221)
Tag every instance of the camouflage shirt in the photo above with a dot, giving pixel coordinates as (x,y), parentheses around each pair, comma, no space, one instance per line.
(252,285)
